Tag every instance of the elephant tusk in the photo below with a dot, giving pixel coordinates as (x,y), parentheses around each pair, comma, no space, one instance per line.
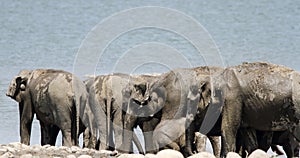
(22,87)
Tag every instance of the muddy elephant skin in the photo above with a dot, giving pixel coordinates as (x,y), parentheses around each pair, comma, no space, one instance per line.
(105,98)
(169,95)
(261,96)
(58,99)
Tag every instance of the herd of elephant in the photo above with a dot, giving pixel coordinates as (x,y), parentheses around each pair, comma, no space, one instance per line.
(251,106)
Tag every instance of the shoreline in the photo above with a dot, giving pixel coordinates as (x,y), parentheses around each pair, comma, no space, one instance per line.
(16,149)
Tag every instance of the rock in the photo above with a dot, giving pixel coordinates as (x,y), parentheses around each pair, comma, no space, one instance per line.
(7,155)
(3,150)
(74,149)
(46,146)
(131,156)
(259,154)
(10,149)
(233,155)
(150,156)
(85,156)
(203,155)
(108,152)
(17,145)
(169,153)
(71,156)
(26,156)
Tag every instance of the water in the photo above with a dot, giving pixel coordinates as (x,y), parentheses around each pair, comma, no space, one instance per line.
(47,34)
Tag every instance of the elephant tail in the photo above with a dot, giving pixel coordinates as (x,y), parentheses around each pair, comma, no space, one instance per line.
(137,143)
(75,121)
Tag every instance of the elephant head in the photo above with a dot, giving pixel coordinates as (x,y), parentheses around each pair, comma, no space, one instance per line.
(144,98)
(18,86)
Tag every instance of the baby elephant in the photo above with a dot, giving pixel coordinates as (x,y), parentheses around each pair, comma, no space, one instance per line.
(170,134)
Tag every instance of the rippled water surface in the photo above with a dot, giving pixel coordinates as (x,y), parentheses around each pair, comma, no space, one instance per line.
(47,34)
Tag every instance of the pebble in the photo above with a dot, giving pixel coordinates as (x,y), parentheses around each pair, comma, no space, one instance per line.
(203,155)
(259,154)
(233,155)
(85,156)
(26,156)
(168,153)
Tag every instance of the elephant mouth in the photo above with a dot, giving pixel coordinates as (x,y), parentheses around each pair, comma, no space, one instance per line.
(142,103)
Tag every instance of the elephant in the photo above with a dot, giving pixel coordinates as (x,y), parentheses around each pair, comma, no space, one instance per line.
(260,95)
(59,100)
(105,99)
(135,96)
(168,94)
(166,137)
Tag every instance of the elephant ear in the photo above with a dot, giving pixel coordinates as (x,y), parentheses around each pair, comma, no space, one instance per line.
(17,85)
(205,94)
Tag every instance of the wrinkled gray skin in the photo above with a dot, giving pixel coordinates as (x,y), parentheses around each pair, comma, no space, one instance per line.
(167,138)
(105,98)
(136,95)
(58,99)
(261,96)
(169,95)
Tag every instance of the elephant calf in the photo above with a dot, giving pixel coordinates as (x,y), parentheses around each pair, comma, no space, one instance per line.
(170,134)
(57,98)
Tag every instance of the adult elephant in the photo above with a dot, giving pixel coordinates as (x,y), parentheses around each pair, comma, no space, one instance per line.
(262,96)
(105,98)
(135,96)
(168,94)
(58,99)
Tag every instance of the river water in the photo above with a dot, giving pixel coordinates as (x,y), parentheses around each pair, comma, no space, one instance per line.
(48,34)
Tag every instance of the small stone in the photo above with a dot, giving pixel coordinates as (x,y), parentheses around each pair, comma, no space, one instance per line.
(10,149)
(26,156)
(233,155)
(203,155)
(131,156)
(74,149)
(71,156)
(46,146)
(108,152)
(16,145)
(259,154)
(7,155)
(85,156)
(150,156)
(169,153)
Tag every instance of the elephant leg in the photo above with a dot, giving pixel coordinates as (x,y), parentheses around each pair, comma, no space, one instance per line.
(173,145)
(89,140)
(250,140)
(118,128)
(45,133)
(148,128)
(48,134)
(190,135)
(230,123)
(67,134)
(215,142)
(26,117)
(264,140)
(129,122)
(53,134)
